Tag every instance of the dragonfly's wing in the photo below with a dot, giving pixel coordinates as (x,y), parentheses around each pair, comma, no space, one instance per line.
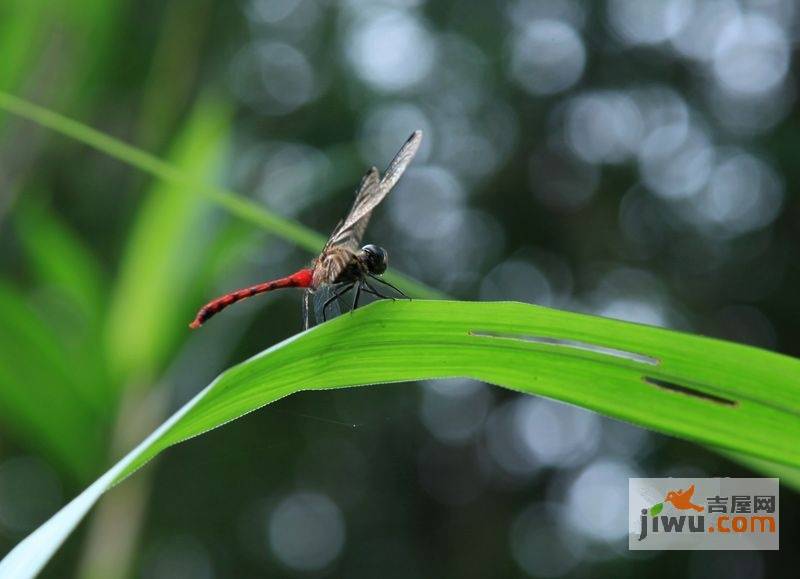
(334,299)
(398,165)
(350,235)
(371,192)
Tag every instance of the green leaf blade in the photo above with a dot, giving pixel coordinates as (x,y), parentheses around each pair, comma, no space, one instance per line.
(391,342)
(59,258)
(592,362)
(41,400)
(165,253)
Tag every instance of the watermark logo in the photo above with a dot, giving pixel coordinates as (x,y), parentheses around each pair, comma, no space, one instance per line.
(703,514)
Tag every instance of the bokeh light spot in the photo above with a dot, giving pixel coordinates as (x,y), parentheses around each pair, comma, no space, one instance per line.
(547,56)
(392,50)
(751,55)
(273,77)
(648,21)
(306,531)
(597,500)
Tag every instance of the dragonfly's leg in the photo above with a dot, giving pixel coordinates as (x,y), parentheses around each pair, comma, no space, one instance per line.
(339,292)
(306,320)
(373,291)
(390,285)
(358,295)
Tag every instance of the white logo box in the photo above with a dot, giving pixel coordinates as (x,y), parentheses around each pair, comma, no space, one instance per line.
(718,514)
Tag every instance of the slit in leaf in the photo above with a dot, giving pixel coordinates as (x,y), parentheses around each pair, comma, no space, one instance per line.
(666,385)
(573,344)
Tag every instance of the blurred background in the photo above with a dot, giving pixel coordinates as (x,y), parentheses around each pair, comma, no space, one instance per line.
(632,159)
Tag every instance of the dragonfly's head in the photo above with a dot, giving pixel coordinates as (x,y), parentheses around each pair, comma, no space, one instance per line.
(375,258)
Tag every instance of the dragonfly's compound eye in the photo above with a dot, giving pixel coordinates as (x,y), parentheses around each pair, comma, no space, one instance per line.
(376,258)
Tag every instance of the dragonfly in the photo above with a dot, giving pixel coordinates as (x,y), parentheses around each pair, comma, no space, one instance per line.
(343,265)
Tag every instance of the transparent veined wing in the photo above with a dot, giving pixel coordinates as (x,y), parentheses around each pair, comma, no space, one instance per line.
(328,302)
(371,192)
(350,235)
(401,160)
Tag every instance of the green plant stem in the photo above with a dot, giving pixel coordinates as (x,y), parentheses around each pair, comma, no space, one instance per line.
(233,202)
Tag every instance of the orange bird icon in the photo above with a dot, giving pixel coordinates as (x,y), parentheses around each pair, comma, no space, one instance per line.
(682,500)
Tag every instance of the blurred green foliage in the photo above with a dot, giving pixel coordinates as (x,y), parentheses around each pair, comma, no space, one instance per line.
(102,266)
(164,262)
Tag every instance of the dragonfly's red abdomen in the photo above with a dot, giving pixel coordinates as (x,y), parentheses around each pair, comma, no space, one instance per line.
(301,278)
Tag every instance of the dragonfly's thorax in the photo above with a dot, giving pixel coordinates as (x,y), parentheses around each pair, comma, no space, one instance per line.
(342,265)
(369,260)
(335,265)
(354,270)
